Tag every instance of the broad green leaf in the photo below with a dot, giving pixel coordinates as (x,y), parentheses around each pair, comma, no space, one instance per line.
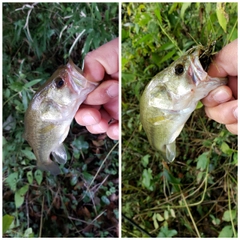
(145,19)
(199,105)
(19,196)
(12,181)
(105,200)
(147,177)
(74,180)
(9,124)
(30,177)
(28,233)
(17,86)
(80,143)
(28,154)
(226,232)
(7,221)
(222,15)
(159,217)
(166,233)
(226,149)
(145,160)
(203,161)
(87,177)
(235,158)
(184,8)
(229,215)
(155,222)
(172,213)
(166,214)
(38,175)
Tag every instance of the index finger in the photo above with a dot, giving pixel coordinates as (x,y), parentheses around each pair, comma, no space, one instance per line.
(102,60)
(226,61)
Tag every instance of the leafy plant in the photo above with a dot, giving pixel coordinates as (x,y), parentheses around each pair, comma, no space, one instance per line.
(203,178)
(37,39)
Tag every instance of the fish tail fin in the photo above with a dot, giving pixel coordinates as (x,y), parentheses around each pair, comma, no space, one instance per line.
(171,151)
(50,166)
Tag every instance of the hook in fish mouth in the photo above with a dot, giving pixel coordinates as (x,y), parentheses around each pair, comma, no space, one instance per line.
(205,59)
(205,55)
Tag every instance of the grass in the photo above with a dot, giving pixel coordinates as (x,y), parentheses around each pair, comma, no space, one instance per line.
(196,195)
(83,202)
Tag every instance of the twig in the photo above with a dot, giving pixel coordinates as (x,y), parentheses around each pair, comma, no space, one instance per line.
(79,35)
(31,7)
(137,226)
(27,210)
(230,211)
(41,220)
(190,214)
(99,169)
(94,206)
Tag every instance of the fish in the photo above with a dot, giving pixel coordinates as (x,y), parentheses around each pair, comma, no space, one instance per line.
(49,115)
(172,95)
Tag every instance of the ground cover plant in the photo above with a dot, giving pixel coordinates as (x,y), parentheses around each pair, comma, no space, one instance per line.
(83,202)
(196,195)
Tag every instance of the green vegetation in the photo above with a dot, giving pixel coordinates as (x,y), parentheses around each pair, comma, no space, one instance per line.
(83,202)
(196,195)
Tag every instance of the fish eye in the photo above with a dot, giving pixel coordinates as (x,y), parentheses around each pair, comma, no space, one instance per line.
(59,82)
(179,69)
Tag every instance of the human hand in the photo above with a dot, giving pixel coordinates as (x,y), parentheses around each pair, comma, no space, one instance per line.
(99,112)
(221,104)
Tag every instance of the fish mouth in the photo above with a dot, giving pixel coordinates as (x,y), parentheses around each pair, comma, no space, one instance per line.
(199,64)
(78,81)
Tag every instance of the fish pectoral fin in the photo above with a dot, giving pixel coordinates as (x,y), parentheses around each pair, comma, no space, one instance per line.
(50,166)
(60,155)
(171,151)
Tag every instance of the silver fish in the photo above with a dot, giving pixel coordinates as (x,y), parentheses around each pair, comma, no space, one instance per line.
(50,113)
(171,96)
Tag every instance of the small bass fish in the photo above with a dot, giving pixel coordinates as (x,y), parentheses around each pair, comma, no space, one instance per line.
(50,113)
(172,95)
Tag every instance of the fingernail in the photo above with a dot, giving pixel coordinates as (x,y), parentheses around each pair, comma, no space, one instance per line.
(116,132)
(88,119)
(235,112)
(100,128)
(221,96)
(112,91)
